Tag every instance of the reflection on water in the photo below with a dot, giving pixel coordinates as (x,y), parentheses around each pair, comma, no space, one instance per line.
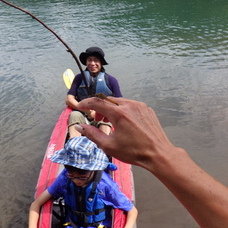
(170,54)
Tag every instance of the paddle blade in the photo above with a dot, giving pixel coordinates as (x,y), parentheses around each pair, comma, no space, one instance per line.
(68,77)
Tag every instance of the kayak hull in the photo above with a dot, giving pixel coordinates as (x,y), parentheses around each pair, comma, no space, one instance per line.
(49,171)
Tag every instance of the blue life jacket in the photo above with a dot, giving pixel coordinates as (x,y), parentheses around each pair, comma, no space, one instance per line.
(83,206)
(97,84)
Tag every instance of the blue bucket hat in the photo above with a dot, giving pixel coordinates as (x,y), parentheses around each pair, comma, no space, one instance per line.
(82,153)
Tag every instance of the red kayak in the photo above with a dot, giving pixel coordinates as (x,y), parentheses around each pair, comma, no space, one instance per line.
(49,171)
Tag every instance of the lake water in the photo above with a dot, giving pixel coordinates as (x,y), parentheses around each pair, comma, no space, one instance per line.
(173,55)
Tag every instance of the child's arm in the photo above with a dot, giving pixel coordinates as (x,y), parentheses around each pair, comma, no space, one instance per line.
(131,217)
(34,210)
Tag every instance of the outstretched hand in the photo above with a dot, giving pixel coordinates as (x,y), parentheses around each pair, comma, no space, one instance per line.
(138,134)
(139,139)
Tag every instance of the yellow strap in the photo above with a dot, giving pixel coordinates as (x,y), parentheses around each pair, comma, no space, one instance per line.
(68,223)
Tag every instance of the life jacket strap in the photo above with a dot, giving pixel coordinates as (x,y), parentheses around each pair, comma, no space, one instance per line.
(96,212)
(61,214)
(95,224)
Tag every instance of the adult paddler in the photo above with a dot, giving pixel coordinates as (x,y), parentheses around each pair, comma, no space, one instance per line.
(97,81)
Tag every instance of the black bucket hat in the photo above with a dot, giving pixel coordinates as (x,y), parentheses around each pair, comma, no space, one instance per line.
(93,51)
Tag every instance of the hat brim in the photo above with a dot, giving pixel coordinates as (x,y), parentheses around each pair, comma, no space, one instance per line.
(86,160)
(83,56)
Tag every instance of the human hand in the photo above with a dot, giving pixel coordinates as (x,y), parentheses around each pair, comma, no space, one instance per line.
(139,139)
(138,136)
(93,113)
(90,114)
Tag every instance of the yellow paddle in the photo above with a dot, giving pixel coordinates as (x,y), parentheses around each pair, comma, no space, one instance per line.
(68,77)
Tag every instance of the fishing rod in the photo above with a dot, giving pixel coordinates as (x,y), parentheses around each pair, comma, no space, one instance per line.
(58,37)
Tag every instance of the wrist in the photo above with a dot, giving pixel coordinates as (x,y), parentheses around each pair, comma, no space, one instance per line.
(172,166)
(165,160)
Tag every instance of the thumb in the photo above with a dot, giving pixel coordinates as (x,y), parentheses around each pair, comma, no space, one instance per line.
(92,133)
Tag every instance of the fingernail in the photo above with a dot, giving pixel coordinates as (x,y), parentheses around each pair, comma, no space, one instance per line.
(79,128)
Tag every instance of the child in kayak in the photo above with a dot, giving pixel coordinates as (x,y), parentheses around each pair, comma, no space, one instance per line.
(89,192)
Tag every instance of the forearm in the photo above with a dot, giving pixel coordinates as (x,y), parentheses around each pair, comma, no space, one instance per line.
(71,102)
(34,210)
(33,215)
(203,196)
(131,218)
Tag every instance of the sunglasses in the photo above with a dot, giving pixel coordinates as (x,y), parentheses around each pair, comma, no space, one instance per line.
(79,178)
